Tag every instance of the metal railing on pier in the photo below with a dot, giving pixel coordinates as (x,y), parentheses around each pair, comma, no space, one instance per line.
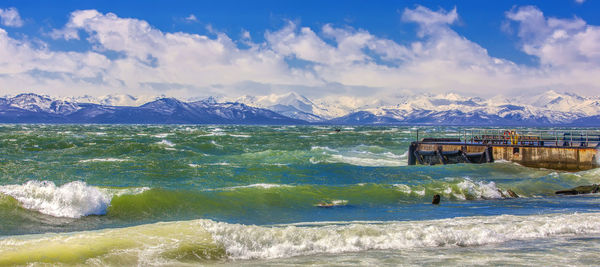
(521,137)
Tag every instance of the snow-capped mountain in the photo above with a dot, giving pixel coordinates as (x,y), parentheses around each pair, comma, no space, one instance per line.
(31,108)
(292,105)
(549,108)
(114,99)
(38,103)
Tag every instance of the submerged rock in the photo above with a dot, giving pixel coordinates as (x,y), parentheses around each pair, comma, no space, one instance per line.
(584,189)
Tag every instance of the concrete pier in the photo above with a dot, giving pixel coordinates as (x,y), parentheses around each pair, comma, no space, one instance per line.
(570,155)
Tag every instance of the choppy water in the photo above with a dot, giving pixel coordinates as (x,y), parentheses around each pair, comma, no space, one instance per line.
(177,195)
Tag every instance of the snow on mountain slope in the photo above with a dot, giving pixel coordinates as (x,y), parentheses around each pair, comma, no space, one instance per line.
(37,103)
(566,102)
(291,105)
(114,100)
(549,108)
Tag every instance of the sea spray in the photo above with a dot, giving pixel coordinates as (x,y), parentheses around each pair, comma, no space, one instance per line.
(74,199)
(71,200)
(206,241)
(258,242)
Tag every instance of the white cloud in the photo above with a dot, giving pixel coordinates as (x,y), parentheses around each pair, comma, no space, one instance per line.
(429,20)
(557,42)
(191,18)
(10,17)
(325,62)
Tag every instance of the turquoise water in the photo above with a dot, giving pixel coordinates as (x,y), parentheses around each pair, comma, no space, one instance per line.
(177,194)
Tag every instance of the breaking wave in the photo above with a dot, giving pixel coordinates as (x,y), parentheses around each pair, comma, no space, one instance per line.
(209,241)
(368,156)
(72,200)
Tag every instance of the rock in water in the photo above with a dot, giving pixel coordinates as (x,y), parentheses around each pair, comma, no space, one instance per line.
(436,200)
(584,189)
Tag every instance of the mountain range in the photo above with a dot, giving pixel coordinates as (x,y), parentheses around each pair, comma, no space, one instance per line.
(547,109)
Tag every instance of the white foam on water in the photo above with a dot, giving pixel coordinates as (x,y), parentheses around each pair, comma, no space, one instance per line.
(189,129)
(258,185)
(275,164)
(166,143)
(339,202)
(219,164)
(374,161)
(193,165)
(103,160)
(480,190)
(259,242)
(362,155)
(240,135)
(162,135)
(72,200)
(213,142)
(403,188)
(459,188)
(115,192)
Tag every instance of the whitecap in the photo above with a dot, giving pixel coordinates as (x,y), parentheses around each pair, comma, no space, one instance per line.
(284,241)
(403,188)
(364,161)
(161,135)
(72,200)
(240,135)
(166,143)
(480,190)
(258,185)
(103,160)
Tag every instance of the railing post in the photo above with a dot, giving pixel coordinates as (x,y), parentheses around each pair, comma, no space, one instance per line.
(571,143)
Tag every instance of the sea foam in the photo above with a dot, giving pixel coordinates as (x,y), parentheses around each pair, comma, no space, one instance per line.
(72,200)
(258,242)
(176,243)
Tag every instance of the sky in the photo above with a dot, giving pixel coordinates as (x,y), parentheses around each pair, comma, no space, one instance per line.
(361,49)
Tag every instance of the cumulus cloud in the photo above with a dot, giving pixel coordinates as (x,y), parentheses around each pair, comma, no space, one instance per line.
(129,55)
(557,42)
(10,17)
(428,19)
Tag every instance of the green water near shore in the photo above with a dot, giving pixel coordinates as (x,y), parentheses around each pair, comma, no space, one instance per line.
(74,184)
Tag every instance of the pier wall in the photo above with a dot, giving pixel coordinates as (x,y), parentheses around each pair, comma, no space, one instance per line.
(560,158)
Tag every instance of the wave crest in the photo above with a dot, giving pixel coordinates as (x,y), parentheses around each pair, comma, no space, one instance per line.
(175,243)
(71,200)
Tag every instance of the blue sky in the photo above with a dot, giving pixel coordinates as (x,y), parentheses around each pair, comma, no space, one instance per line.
(316,48)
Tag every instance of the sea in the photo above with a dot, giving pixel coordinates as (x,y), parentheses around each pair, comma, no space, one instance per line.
(230,195)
